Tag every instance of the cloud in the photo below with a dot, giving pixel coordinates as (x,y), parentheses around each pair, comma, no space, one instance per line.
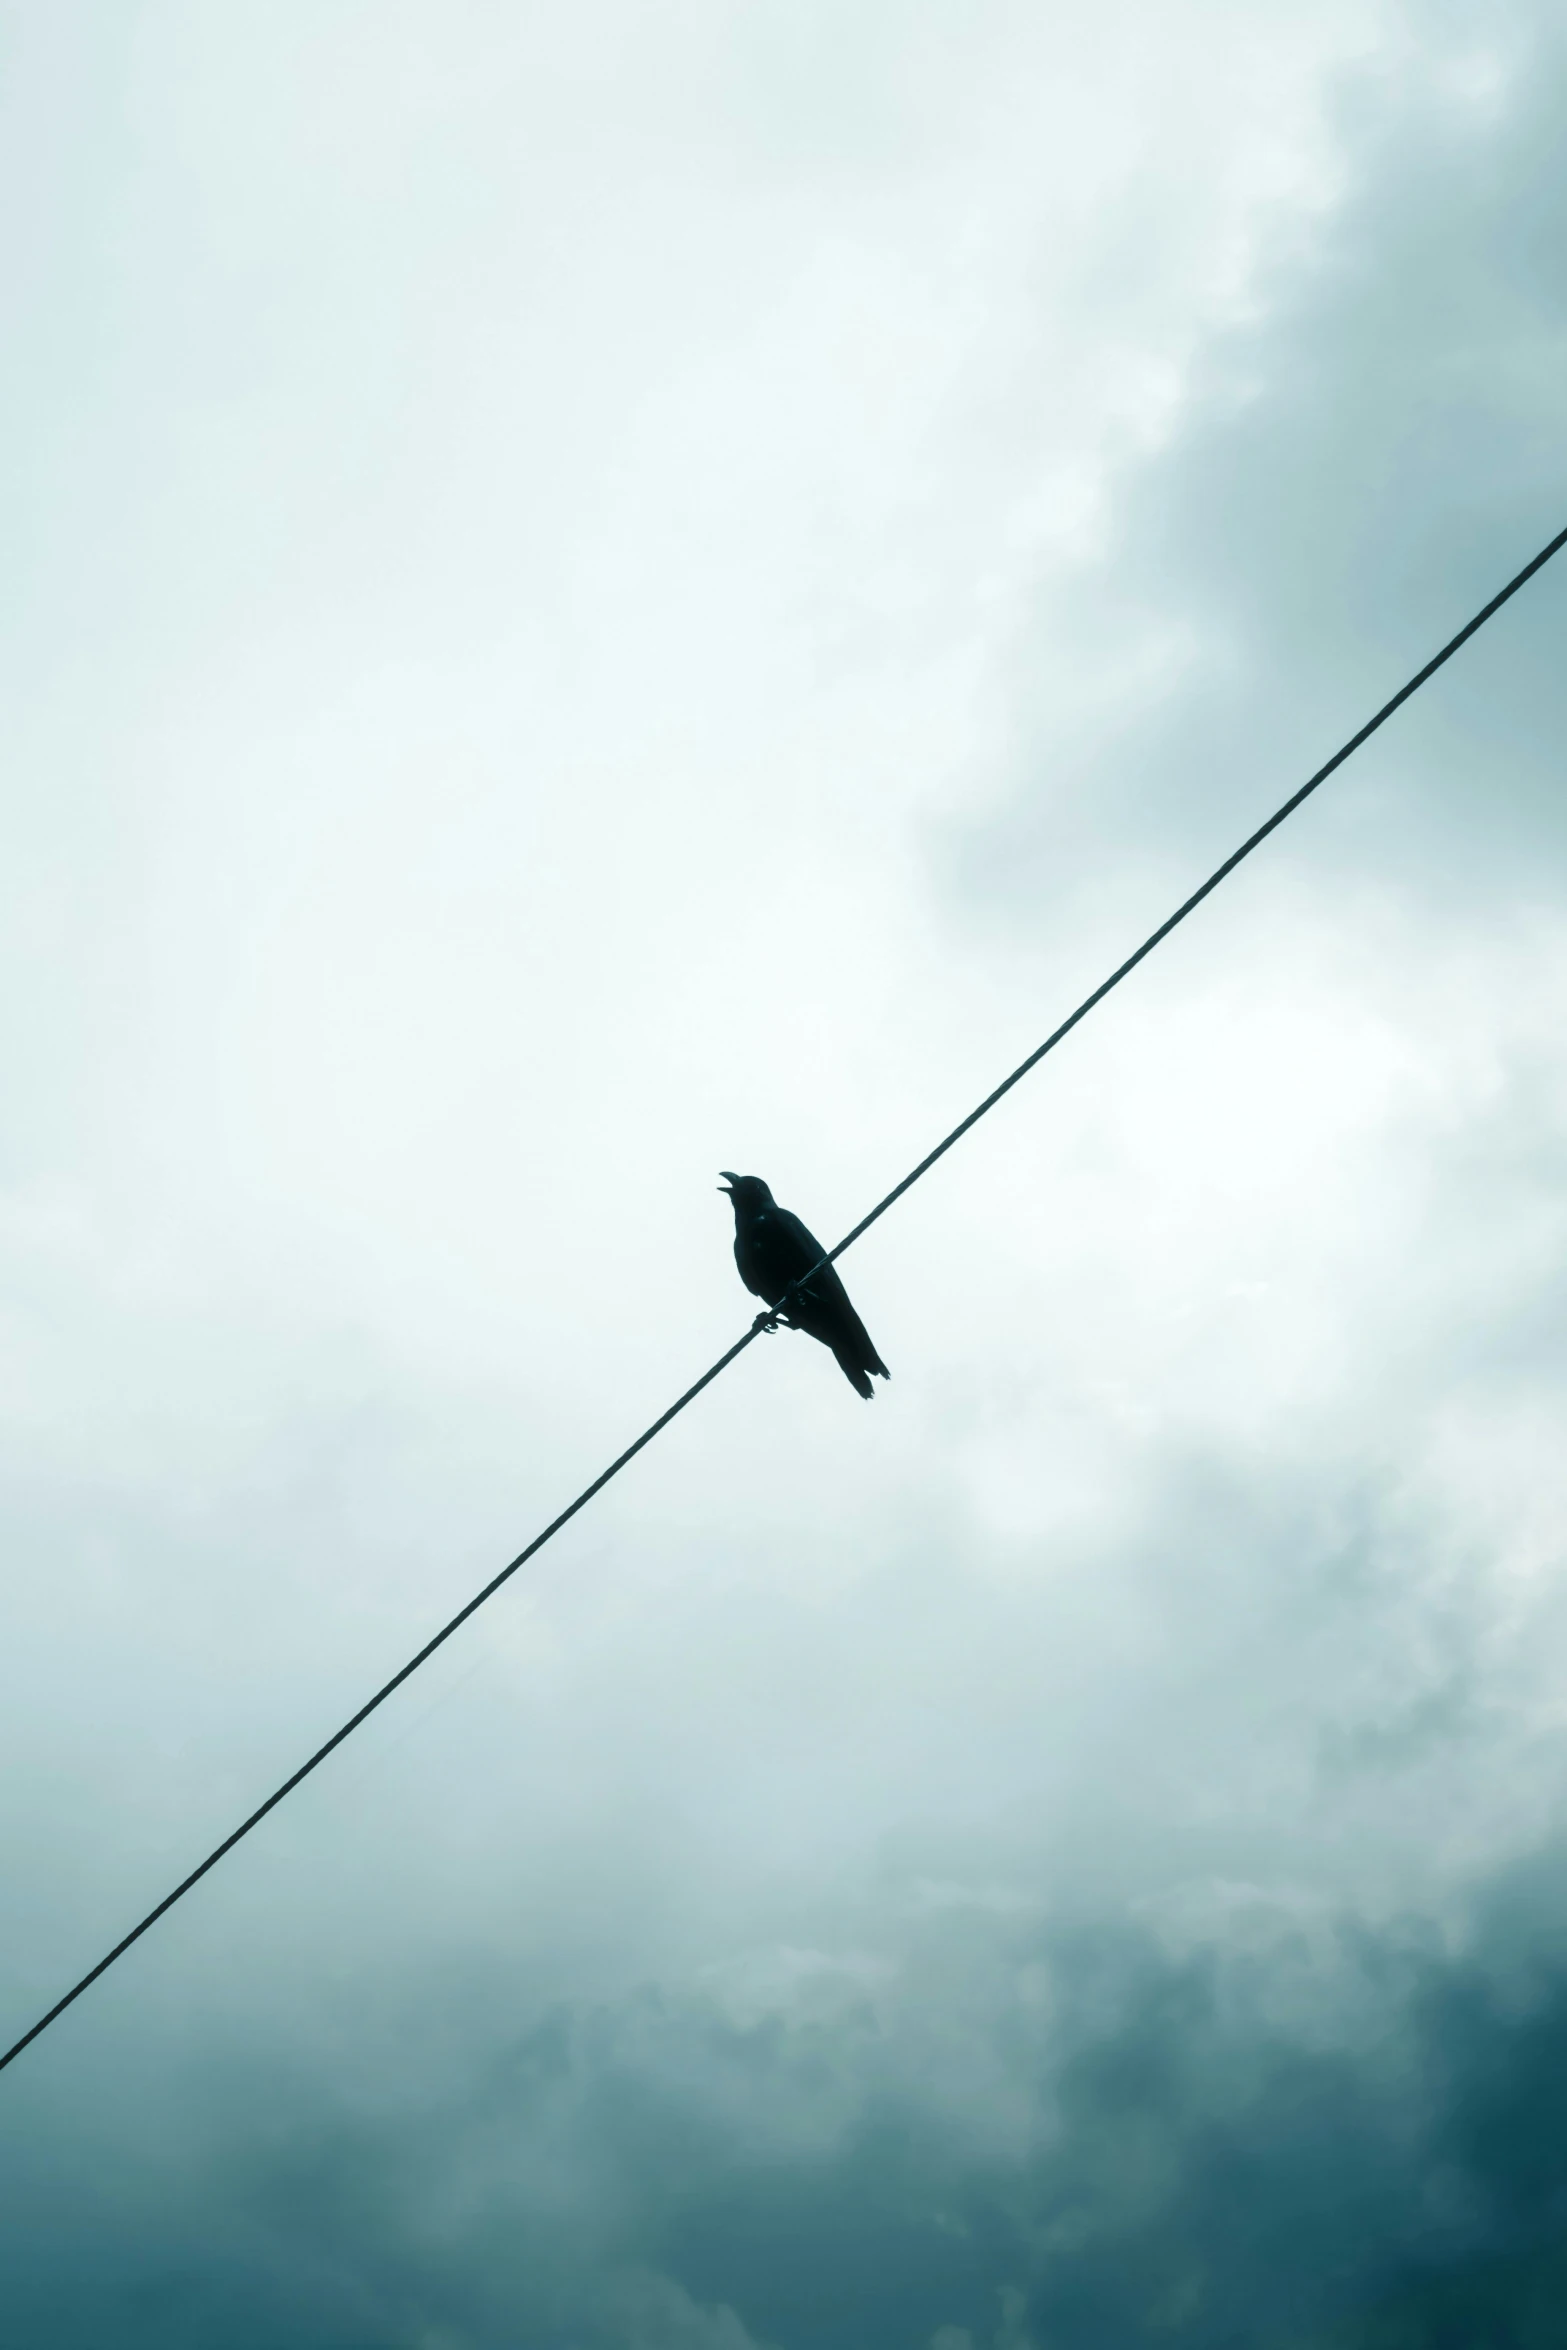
(1283,2130)
(1075,1860)
(1357,461)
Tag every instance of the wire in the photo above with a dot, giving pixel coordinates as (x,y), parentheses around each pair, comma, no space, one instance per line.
(769,1320)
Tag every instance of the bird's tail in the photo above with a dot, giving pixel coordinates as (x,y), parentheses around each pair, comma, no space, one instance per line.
(854,1371)
(864,1354)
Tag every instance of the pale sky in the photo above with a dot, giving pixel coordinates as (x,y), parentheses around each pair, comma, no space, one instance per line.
(592,594)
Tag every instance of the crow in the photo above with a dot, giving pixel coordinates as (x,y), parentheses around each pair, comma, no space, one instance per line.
(773,1248)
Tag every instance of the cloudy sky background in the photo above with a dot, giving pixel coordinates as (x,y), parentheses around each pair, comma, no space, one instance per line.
(596,594)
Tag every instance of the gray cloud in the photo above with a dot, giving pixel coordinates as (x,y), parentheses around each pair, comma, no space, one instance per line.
(1284,2131)
(1358,462)
(1072,1857)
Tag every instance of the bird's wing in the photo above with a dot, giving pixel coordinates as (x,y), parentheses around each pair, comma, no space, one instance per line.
(828,1298)
(810,1252)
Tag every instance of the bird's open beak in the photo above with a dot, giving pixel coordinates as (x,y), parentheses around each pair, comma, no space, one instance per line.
(728,1179)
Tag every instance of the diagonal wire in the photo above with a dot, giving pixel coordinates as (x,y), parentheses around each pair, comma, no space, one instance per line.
(769,1320)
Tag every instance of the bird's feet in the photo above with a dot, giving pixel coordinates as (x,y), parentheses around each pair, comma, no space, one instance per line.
(767,1323)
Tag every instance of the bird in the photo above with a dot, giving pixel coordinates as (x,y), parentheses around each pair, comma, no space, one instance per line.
(773,1248)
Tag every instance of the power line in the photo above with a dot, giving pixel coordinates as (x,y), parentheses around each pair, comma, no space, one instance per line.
(769,1320)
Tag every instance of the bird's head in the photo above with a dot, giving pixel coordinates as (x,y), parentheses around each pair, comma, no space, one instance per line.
(748,1192)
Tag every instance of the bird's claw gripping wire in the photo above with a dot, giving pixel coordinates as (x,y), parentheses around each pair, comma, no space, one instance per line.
(777,1316)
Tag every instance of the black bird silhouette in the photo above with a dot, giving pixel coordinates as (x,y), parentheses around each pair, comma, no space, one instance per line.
(773,1248)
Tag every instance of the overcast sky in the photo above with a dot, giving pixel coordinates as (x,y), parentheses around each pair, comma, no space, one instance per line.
(596,593)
